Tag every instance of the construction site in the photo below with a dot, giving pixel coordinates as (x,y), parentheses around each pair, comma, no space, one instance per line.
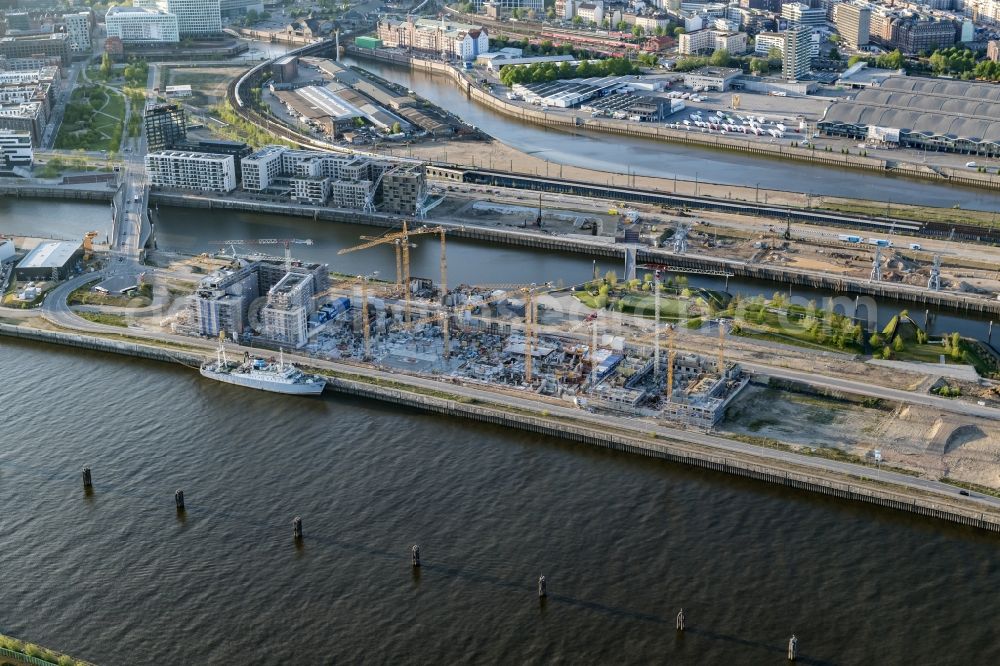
(506,336)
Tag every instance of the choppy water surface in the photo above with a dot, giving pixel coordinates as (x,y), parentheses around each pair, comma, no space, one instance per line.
(118,578)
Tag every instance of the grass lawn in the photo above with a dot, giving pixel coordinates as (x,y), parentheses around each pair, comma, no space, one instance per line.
(208,84)
(918,213)
(103,318)
(93,120)
(86,296)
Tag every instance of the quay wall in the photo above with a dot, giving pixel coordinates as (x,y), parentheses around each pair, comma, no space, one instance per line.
(672,451)
(18,191)
(661,133)
(847,285)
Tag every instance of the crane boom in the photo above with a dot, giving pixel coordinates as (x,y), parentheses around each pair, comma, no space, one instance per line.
(287,242)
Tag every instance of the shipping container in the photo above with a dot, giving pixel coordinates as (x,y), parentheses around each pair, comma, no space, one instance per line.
(368,43)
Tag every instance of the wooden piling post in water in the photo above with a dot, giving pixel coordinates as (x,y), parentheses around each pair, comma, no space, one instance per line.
(681,619)
(87,481)
(793,648)
(297,528)
(415,554)
(179,499)
(542,592)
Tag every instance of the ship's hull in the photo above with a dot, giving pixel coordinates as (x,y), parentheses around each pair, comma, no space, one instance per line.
(248,381)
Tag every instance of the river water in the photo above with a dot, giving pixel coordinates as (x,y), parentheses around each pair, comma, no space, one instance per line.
(471,262)
(625,154)
(117,577)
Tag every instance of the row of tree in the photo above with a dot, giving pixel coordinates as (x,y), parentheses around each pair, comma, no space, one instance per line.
(549,71)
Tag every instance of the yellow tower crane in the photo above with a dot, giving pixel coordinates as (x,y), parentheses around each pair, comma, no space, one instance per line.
(402,241)
(722,346)
(531,292)
(671,354)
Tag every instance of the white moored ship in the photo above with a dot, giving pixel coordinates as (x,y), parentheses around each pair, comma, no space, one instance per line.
(275,376)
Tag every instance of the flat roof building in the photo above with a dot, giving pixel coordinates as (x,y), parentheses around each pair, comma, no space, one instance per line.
(55,44)
(712,78)
(78,27)
(853,23)
(53,260)
(194,17)
(15,148)
(165,125)
(179,169)
(142,25)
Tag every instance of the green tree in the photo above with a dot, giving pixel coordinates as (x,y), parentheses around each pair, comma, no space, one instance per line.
(759,66)
(897,344)
(396,128)
(577,20)
(679,30)
(638,31)
(720,58)
(106,66)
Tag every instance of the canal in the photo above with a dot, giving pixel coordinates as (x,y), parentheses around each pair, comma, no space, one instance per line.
(471,262)
(474,262)
(625,154)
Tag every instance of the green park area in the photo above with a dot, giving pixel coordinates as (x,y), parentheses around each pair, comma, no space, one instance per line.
(903,339)
(678,302)
(93,120)
(779,320)
(138,298)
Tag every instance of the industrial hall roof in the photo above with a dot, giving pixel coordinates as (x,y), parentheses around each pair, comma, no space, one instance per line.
(954,110)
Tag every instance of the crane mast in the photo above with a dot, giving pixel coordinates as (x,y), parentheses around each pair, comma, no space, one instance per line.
(656,324)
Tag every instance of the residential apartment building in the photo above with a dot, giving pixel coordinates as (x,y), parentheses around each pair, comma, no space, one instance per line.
(289,304)
(206,172)
(313,190)
(590,12)
(983,11)
(403,190)
(853,22)
(28,117)
(78,28)
(441,37)
(15,148)
(916,34)
(142,25)
(796,54)
(350,193)
(800,13)
(261,168)
(710,41)
(765,41)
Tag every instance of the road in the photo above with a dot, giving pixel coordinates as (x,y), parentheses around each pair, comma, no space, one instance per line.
(56,310)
